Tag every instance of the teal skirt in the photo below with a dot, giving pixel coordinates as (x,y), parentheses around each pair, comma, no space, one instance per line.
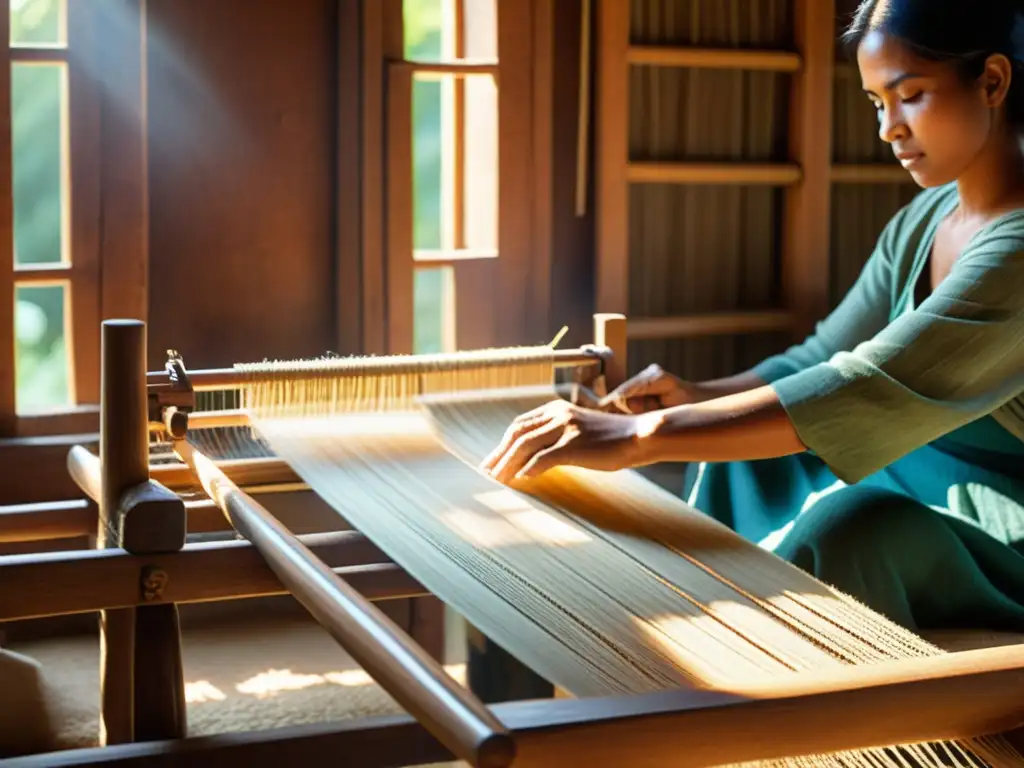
(933,541)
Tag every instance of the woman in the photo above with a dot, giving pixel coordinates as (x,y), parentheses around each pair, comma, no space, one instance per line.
(885,454)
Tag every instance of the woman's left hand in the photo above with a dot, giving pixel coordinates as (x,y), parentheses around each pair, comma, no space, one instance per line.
(562,433)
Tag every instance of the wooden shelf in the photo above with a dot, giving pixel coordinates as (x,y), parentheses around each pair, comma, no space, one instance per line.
(717,324)
(771,174)
(713,58)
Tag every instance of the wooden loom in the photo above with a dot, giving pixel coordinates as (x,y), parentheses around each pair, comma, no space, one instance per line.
(144,569)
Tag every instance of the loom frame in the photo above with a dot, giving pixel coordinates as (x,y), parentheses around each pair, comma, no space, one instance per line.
(969,694)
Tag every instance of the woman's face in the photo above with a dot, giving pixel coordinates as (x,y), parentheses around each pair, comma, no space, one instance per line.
(935,122)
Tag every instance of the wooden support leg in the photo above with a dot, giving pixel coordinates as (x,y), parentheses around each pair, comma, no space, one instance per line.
(141,682)
(610,331)
(426,626)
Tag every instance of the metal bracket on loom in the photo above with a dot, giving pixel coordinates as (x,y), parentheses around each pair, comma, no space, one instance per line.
(171,403)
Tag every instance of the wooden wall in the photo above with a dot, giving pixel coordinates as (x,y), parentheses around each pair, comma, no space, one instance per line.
(703,248)
(242,138)
(243,135)
(699,249)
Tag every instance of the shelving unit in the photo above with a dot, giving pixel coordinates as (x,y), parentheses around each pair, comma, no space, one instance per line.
(806,178)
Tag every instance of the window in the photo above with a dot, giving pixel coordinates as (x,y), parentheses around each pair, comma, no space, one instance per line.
(451,49)
(55,313)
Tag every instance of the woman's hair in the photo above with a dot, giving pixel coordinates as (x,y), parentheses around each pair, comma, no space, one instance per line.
(962,32)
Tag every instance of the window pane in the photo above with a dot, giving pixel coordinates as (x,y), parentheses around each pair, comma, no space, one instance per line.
(428,29)
(431,158)
(38,22)
(37,96)
(480,165)
(40,348)
(433,321)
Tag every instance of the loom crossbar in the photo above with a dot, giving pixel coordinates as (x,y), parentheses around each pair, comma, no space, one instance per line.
(65,583)
(968,694)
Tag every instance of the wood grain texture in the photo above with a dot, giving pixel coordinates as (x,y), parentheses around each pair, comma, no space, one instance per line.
(125,232)
(242,179)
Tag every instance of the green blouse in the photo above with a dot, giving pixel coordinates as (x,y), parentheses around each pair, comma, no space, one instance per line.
(882,375)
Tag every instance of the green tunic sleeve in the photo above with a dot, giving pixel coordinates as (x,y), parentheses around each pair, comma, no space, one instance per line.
(860,315)
(953,359)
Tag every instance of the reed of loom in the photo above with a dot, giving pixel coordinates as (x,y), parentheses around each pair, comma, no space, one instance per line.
(947,697)
(601,367)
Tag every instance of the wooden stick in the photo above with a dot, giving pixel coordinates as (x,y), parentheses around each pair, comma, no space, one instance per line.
(403,669)
(955,696)
(84,468)
(713,58)
(124,462)
(142,686)
(48,520)
(610,331)
(83,581)
(715,324)
(583,112)
(242,472)
(737,173)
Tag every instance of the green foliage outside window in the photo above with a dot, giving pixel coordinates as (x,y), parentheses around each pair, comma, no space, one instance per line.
(424,41)
(36,95)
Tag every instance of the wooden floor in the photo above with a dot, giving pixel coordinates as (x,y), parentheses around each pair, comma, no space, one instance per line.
(242,673)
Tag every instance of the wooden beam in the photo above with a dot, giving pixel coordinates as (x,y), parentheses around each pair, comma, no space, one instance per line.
(350,165)
(717,324)
(458,69)
(947,697)
(372,188)
(84,179)
(521,268)
(612,158)
(400,204)
(84,581)
(542,172)
(713,58)
(124,234)
(806,244)
(746,174)
(44,521)
(141,678)
(8,369)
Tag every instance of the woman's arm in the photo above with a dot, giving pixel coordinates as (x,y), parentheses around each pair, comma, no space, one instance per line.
(750,425)
(702,391)
(745,426)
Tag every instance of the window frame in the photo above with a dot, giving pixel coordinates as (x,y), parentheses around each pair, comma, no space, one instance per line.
(107,234)
(521,264)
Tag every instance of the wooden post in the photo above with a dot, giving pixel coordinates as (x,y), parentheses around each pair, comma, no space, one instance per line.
(612,157)
(8,388)
(141,683)
(805,253)
(610,331)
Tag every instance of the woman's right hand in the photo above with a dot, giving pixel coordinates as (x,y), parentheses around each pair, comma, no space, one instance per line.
(652,389)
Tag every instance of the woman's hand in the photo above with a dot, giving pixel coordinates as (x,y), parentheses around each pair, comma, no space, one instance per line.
(652,389)
(562,433)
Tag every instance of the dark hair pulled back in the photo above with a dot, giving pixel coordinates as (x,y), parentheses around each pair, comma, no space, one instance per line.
(962,32)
